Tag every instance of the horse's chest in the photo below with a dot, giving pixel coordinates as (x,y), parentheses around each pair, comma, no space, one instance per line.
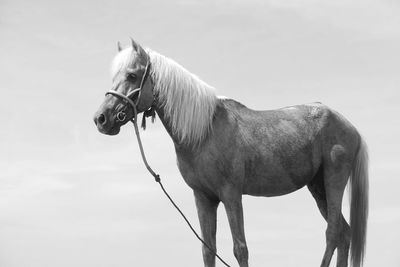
(189,174)
(200,174)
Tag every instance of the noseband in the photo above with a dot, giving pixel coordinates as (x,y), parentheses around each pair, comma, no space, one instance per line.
(121,115)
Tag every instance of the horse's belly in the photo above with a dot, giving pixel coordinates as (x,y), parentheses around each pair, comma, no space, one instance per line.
(274,186)
(276,178)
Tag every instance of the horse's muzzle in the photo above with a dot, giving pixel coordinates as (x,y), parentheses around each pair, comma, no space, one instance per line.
(105,125)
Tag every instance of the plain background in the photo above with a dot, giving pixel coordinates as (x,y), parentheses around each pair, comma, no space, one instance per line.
(70,196)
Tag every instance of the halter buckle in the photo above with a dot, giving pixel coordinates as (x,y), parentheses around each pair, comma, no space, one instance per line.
(121,116)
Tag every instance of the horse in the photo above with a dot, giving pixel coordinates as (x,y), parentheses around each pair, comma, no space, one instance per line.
(225,150)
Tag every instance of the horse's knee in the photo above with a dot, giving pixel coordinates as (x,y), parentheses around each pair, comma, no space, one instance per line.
(240,251)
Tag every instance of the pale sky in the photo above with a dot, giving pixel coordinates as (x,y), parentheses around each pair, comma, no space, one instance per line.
(70,196)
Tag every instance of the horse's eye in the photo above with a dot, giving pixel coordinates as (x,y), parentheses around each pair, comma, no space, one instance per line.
(131,77)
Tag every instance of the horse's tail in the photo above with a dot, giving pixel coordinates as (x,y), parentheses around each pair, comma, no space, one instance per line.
(359,205)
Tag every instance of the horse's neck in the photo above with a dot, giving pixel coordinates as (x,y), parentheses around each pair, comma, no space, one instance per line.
(167,125)
(175,138)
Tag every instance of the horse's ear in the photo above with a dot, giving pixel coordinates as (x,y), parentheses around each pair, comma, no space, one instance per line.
(137,47)
(119,46)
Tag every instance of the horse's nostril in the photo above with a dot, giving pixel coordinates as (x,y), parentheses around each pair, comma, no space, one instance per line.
(101,119)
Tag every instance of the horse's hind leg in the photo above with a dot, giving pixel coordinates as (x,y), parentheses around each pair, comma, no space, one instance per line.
(344,245)
(336,174)
(317,189)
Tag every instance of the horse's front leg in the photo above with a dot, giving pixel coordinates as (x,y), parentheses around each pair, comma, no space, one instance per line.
(207,212)
(233,205)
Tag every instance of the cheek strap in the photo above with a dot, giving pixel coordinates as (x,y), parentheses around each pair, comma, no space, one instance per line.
(121,115)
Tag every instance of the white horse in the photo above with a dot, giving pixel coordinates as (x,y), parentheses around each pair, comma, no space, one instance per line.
(225,150)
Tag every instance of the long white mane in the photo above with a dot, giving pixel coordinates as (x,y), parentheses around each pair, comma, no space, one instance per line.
(189,103)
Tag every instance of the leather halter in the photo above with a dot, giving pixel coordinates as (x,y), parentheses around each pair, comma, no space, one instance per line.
(121,115)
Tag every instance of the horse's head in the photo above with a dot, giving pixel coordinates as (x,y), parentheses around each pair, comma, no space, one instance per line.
(131,85)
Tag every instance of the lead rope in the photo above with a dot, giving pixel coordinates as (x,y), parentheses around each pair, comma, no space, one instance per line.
(158,180)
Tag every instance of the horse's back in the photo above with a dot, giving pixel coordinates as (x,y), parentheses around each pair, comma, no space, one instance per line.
(294,125)
(300,123)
